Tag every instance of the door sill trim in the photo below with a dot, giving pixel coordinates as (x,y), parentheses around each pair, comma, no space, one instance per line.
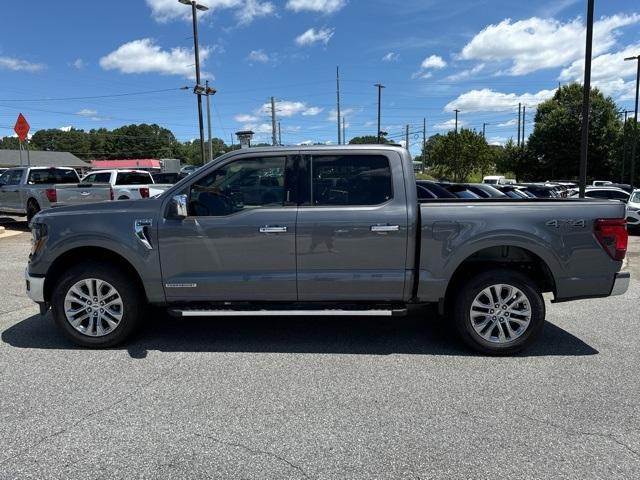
(289,313)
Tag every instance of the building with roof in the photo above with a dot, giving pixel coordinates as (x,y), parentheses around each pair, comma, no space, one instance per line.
(40,158)
(135,163)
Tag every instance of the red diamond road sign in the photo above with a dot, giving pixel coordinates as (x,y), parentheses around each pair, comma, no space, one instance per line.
(21,128)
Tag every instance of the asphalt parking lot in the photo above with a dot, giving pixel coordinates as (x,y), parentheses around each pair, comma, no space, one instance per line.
(317,398)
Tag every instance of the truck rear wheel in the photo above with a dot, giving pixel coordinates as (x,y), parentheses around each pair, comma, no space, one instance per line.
(97,305)
(499,312)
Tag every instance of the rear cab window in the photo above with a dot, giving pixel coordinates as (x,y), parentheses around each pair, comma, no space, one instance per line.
(52,175)
(133,178)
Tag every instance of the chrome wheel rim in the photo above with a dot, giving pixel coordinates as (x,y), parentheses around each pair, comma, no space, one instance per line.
(500,313)
(93,307)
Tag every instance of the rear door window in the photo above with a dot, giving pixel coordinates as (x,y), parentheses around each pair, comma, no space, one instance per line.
(349,180)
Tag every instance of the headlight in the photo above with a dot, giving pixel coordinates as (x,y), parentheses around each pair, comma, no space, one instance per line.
(38,235)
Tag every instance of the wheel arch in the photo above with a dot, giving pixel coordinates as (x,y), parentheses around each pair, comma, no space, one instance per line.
(84,254)
(512,257)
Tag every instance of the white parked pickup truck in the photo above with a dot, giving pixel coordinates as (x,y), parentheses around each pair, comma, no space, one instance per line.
(127,184)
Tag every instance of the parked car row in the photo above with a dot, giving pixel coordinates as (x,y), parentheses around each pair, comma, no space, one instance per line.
(436,190)
(27,190)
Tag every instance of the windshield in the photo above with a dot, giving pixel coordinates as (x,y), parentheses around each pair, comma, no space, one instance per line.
(635,198)
(52,175)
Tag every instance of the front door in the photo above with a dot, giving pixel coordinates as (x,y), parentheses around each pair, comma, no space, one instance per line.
(352,228)
(238,242)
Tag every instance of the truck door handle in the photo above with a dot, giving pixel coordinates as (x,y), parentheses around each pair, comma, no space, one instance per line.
(385,228)
(268,229)
(84,194)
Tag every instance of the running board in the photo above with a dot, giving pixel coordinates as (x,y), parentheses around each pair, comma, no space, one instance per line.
(290,313)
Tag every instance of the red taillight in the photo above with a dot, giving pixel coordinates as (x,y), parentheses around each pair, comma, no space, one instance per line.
(144,192)
(52,195)
(612,235)
(111,197)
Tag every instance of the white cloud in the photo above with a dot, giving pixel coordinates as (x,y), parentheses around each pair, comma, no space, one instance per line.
(448,125)
(609,71)
(536,43)
(144,56)
(306,142)
(245,10)
(508,123)
(90,114)
(497,141)
(78,64)
(322,6)
(253,9)
(391,57)
(466,73)
(312,36)
(66,129)
(312,111)
(487,100)
(433,62)
(344,113)
(285,108)
(259,128)
(259,56)
(245,118)
(18,65)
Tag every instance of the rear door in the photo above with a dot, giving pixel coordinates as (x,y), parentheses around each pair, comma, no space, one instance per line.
(352,223)
(238,242)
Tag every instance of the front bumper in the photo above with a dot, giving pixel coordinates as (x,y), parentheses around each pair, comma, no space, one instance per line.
(35,287)
(621,283)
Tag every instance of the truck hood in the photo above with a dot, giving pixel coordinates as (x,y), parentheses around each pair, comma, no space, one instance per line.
(145,207)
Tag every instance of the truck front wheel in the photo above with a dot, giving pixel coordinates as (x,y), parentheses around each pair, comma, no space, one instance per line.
(499,312)
(97,305)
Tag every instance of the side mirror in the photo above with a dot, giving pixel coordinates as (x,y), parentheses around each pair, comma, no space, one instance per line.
(178,207)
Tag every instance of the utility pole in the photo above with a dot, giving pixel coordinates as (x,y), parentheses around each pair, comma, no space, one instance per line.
(209,91)
(484,129)
(279,134)
(634,140)
(340,137)
(586,100)
(624,144)
(455,165)
(406,137)
(519,114)
(524,111)
(198,88)
(380,87)
(344,137)
(274,138)
(424,143)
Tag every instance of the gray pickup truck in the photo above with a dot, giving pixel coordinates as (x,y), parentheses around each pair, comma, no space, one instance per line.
(334,231)
(27,190)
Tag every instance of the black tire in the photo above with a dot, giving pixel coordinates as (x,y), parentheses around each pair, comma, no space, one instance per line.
(122,197)
(473,287)
(32,209)
(133,304)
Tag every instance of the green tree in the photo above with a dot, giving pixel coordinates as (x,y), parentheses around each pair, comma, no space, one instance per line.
(367,140)
(428,148)
(457,156)
(555,141)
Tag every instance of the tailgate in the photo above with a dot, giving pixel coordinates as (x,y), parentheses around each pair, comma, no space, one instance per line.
(82,193)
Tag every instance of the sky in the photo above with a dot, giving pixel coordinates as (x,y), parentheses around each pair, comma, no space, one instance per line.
(95,63)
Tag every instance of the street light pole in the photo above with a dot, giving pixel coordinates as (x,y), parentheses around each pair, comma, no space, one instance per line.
(634,140)
(586,100)
(198,89)
(380,87)
(209,92)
